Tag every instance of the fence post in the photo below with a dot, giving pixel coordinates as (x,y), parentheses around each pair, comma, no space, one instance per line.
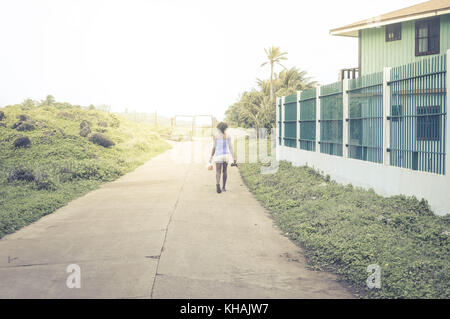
(345,140)
(318,119)
(386,114)
(277,123)
(298,119)
(447,146)
(282,120)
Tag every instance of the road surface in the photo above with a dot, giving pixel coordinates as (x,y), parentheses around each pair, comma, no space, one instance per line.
(161,232)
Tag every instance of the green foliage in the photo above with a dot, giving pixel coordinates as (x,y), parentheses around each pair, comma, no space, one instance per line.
(344,229)
(85,131)
(49,100)
(100,139)
(22,142)
(24,126)
(60,165)
(256,109)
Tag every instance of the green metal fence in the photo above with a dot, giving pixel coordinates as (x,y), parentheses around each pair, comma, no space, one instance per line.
(308,120)
(290,120)
(280,137)
(418,115)
(365,118)
(417,121)
(331,119)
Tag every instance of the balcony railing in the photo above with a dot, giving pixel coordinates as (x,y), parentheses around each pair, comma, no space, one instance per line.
(352,73)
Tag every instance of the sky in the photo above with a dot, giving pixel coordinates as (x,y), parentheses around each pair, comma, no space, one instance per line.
(172,57)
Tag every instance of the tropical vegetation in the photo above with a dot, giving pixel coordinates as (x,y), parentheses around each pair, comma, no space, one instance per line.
(256,108)
(52,152)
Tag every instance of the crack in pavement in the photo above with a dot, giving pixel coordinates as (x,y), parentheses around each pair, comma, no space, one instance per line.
(167,229)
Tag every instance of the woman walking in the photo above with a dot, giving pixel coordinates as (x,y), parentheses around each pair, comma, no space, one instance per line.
(221,152)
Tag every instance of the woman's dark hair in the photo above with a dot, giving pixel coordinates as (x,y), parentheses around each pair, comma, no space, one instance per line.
(222,126)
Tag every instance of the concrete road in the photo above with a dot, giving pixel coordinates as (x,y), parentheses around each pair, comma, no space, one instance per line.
(161,232)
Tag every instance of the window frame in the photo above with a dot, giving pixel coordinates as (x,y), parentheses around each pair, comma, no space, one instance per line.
(431,23)
(394,27)
(428,121)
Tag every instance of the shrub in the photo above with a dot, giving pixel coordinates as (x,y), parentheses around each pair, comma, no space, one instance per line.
(85,131)
(2,115)
(21,174)
(100,139)
(84,123)
(16,125)
(102,124)
(45,184)
(22,142)
(23,117)
(24,126)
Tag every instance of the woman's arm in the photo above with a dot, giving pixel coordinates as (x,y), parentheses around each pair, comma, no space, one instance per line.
(230,146)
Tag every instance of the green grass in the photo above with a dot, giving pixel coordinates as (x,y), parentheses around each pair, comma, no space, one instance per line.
(344,229)
(66,164)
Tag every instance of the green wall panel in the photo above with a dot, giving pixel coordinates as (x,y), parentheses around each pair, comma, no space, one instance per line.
(376,53)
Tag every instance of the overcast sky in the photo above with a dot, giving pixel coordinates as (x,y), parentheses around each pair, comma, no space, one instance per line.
(176,57)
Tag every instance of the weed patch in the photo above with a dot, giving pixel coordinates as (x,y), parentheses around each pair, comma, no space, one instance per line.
(344,229)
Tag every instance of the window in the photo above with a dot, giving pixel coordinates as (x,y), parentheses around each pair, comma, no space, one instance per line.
(396,113)
(393,32)
(428,123)
(427,36)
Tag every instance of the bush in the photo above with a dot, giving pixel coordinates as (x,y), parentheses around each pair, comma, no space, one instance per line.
(84,123)
(45,184)
(25,127)
(85,128)
(100,139)
(22,142)
(40,178)
(102,124)
(23,117)
(21,174)
(85,131)
(2,115)
(16,125)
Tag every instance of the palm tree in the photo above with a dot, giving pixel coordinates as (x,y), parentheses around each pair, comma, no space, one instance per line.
(292,80)
(274,56)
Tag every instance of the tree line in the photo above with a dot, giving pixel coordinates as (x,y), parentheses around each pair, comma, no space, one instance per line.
(50,101)
(256,108)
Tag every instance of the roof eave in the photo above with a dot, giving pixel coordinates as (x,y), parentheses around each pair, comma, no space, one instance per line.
(353,31)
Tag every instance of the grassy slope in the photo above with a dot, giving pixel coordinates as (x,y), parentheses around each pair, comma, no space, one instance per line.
(74,165)
(344,229)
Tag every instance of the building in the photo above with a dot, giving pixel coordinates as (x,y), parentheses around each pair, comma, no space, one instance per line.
(400,37)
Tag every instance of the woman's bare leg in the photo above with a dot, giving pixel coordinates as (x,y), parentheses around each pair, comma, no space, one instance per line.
(225,175)
(218,171)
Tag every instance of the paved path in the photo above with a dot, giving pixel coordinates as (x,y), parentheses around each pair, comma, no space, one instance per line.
(160,232)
